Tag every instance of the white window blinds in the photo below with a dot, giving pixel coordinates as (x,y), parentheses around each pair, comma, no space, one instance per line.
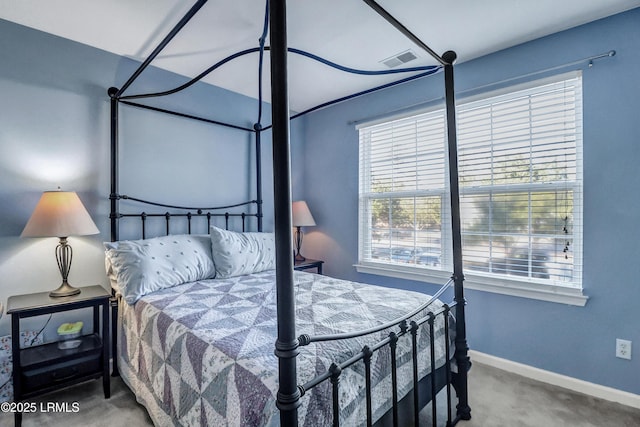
(402,186)
(520,179)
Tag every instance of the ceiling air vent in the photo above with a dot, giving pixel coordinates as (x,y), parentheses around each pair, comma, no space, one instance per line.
(399,59)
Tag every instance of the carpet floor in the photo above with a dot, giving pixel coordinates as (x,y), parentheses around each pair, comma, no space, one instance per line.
(497,399)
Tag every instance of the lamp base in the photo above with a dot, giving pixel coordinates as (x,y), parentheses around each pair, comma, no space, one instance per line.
(298,234)
(65,290)
(64,254)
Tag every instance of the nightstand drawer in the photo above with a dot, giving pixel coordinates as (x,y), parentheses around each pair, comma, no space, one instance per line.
(59,373)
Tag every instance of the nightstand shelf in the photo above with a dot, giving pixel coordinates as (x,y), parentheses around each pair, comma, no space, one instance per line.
(44,368)
(46,354)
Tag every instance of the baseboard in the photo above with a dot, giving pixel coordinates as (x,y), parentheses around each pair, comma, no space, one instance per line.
(574,384)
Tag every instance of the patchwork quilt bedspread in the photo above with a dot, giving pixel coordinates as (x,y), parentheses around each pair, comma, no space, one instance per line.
(202,353)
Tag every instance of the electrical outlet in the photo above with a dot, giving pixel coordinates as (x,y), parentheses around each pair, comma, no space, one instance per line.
(623,349)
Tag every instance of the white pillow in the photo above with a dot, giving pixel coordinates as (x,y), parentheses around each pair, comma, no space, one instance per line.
(235,254)
(143,266)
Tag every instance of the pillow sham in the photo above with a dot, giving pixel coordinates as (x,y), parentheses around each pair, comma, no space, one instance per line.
(235,254)
(139,267)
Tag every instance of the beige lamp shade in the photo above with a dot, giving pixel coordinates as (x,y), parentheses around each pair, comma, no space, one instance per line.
(301,216)
(59,214)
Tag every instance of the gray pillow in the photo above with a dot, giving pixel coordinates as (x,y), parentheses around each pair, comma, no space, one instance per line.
(235,254)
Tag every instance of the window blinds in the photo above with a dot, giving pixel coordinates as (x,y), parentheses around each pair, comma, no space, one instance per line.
(402,185)
(520,180)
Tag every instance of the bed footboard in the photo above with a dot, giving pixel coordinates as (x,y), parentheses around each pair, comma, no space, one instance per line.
(424,387)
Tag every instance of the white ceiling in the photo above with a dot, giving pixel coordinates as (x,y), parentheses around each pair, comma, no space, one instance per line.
(344,31)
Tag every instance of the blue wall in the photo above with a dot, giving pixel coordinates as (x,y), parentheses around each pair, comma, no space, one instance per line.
(54,131)
(574,341)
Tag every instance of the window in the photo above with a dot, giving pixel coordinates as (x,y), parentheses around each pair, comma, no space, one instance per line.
(520,172)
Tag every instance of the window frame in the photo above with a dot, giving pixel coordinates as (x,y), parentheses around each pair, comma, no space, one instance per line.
(541,289)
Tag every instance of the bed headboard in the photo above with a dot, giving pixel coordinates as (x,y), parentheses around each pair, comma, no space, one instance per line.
(155,218)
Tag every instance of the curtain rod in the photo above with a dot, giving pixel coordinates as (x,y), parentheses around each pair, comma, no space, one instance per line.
(589,60)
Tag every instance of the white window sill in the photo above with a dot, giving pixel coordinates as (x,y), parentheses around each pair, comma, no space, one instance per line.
(518,288)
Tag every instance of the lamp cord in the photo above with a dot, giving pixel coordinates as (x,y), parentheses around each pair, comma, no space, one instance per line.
(30,344)
(40,331)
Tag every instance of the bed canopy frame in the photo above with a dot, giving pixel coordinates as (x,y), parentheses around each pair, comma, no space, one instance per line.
(287,343)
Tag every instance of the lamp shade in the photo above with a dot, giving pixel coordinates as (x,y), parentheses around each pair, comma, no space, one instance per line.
(59,214)
(301,216)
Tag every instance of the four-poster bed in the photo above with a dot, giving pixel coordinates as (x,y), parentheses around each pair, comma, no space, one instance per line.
(407,355)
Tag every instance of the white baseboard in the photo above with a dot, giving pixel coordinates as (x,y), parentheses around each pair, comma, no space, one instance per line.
(574,384)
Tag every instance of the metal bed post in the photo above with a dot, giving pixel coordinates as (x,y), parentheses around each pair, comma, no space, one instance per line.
(114,163)
(286,347)
(462,348)
(258,129)
(113,217)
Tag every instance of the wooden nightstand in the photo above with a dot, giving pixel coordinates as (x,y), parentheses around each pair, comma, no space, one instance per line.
(308,264)
(44,368)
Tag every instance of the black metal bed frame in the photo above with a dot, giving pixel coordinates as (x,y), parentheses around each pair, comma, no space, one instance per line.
(287,344)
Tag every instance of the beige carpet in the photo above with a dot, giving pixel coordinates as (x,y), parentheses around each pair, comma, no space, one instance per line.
(497,399)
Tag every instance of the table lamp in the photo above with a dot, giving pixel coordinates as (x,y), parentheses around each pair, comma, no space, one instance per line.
(301,217)
(60,214)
